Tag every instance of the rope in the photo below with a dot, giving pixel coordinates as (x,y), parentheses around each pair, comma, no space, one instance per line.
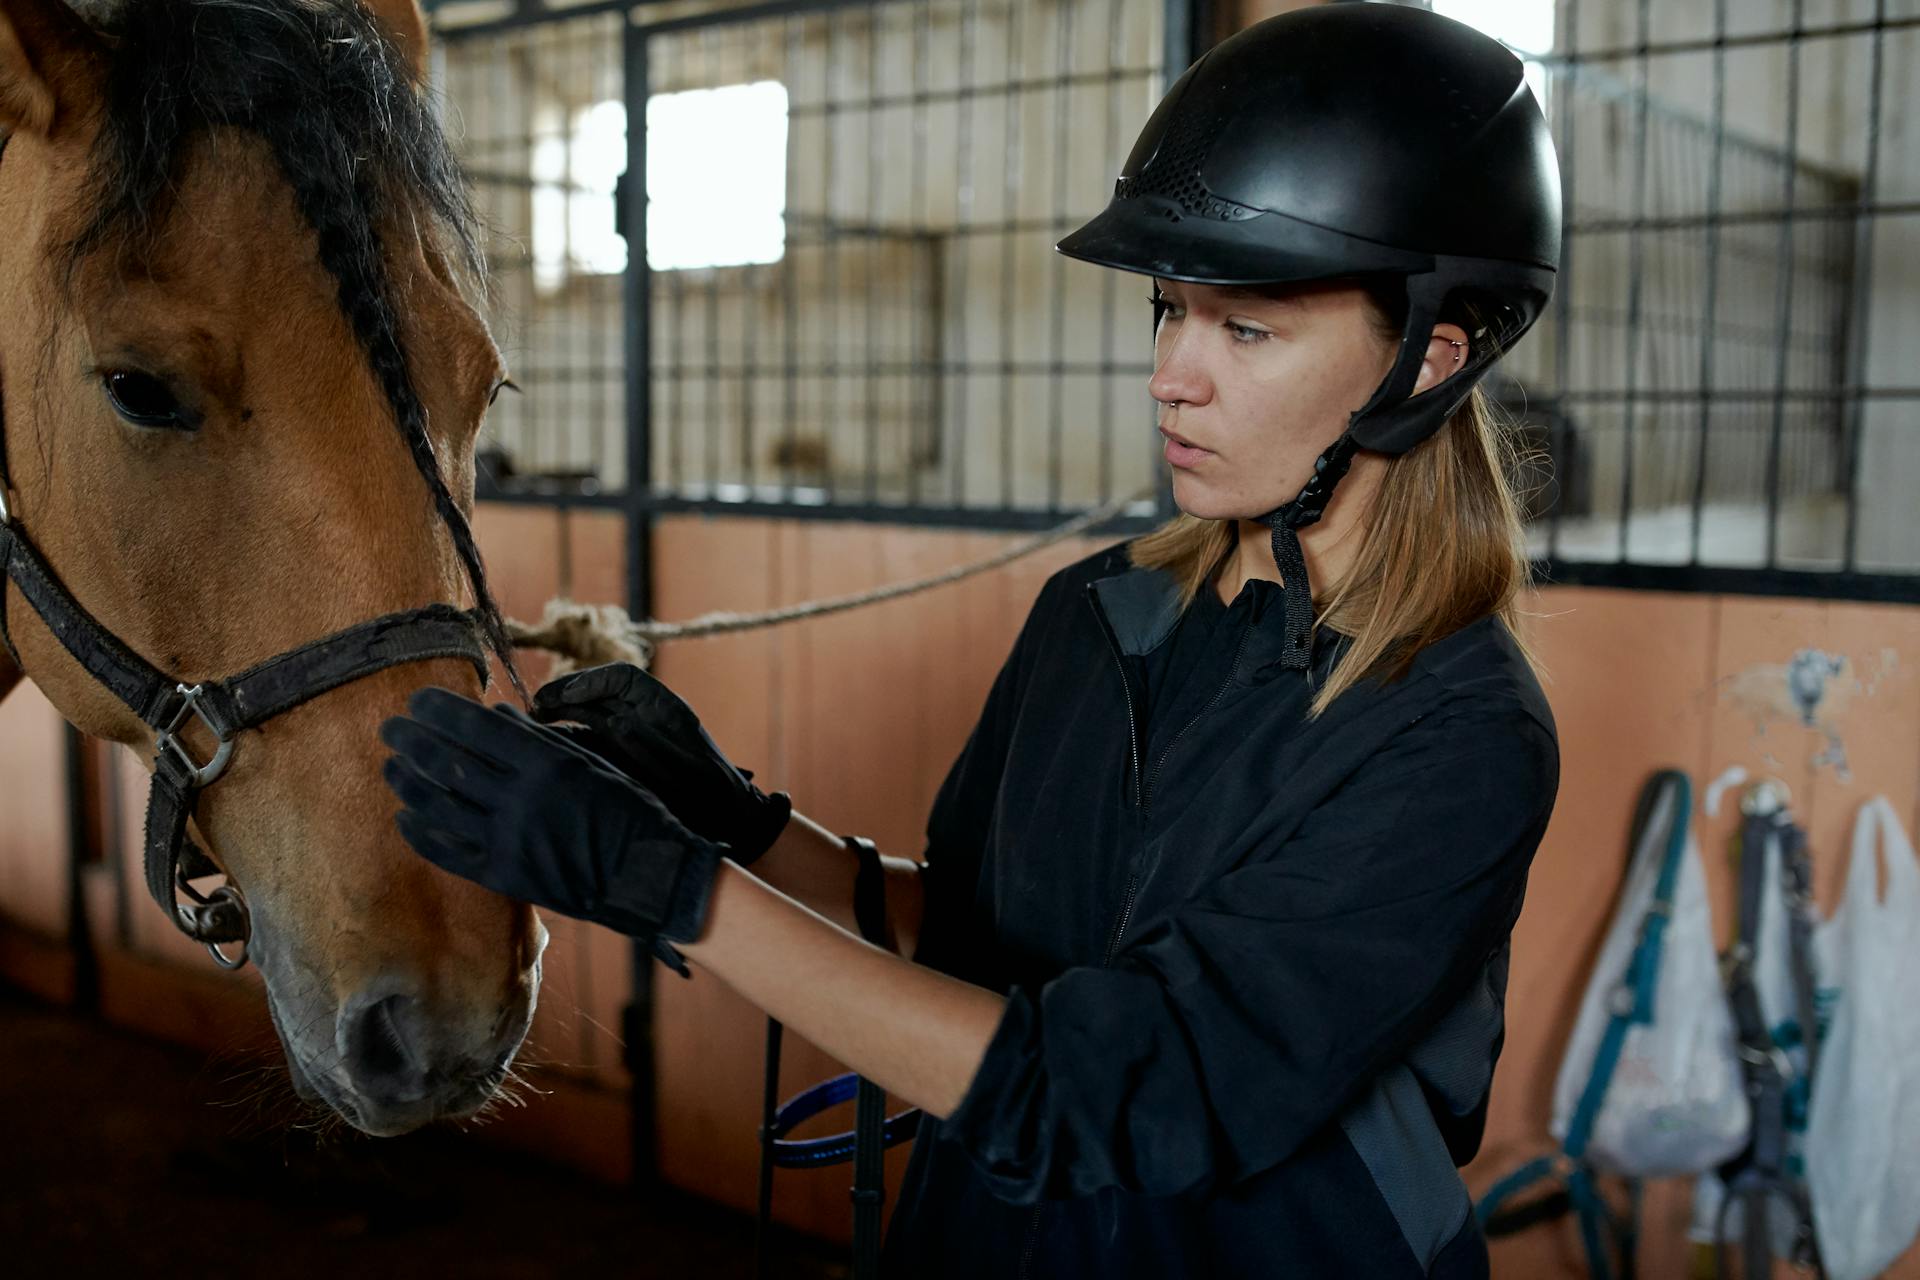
(587,635)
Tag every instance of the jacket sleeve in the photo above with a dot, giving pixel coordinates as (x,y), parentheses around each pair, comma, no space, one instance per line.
(957,825)
(1232,1029)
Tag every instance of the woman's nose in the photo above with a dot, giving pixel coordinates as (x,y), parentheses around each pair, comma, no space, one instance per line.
(1177,373)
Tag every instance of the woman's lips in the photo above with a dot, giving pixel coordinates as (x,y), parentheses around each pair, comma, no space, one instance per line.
(1180,453)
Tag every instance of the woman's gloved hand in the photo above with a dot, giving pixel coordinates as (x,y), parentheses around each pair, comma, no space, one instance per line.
(658,740)
(514,805)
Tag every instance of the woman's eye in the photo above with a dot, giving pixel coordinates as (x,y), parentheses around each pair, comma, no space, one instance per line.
(1245,336)
(142,399)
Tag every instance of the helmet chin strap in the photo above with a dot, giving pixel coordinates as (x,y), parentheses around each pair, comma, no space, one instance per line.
(1390,400)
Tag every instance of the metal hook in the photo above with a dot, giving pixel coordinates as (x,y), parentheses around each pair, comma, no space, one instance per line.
(1765,797)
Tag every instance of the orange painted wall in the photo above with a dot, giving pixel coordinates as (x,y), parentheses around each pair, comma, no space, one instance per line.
(860,715)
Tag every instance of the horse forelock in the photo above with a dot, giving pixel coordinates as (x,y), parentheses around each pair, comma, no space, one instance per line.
(350,133)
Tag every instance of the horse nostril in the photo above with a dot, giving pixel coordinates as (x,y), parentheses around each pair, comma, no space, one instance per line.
(383,1051)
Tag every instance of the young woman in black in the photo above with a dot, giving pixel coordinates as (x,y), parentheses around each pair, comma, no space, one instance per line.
(1203,971)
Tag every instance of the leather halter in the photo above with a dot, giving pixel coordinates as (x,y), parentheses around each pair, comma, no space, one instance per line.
(226,707)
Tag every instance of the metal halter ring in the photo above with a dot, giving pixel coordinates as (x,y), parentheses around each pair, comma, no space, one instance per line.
(165,739)
(192,918)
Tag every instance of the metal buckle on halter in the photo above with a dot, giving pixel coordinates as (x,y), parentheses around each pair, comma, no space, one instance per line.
(198,919)
(166,739)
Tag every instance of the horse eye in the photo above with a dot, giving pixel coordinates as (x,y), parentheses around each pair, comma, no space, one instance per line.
(142,399)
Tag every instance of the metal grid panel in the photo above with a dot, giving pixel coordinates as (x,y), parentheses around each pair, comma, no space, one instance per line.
(1724,381)
(516,99)
(1727,344)
(919,352)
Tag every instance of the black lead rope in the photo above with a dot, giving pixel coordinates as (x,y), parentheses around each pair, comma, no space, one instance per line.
(1760,1173)
(874,1130)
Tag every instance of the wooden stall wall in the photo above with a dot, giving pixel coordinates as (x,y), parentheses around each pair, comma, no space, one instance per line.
(859,716)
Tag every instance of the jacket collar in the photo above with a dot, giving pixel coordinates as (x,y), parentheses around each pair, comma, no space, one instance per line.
(1142,606)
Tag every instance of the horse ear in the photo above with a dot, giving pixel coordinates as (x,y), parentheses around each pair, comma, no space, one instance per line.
(406,26)
(47,64)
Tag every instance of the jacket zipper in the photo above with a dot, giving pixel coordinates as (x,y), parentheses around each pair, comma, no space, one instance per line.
(1146,797)
(1026,1254)
(1146,801)
(1142,794)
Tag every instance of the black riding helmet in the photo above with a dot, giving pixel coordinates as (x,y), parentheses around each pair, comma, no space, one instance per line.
(1350,140)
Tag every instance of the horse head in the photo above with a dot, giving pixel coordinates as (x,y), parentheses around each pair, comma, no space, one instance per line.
(241,377)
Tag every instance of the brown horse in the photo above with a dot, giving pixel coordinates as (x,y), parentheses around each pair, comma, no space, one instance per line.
(241,381)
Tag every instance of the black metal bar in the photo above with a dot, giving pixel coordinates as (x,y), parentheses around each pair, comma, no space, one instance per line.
(958,248)
(113,823)
(1863,290)
(1802,213)
(1708,335)
(920,414)
(982,518)
(678,470)
(995,89)
(886,367)
(1815,584)
(867,258)
(789,284)
(1635,273)
(1783,310)
(80,852)
(831,339)
(521,20)
(1056,382)
(1009,195)
(1743,395)
(756,13)
(637,1016)
(1795,35)
(1558,443)
(714,424)
(1109,280)
(534,492)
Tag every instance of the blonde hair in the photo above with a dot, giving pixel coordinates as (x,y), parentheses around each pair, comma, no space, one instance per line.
(1443,546)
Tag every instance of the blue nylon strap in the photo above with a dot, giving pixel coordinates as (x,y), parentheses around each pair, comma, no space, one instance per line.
(1643,970)
(1537,1170)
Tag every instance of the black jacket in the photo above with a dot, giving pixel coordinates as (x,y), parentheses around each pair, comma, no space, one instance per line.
(1255,965)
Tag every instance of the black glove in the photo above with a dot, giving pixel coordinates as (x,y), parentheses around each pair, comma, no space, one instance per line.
(659,741)
(515,806)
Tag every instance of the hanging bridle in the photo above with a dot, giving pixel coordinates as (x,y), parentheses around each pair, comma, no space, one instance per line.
(226,707)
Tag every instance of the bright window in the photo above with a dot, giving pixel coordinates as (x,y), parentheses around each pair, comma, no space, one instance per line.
(1525,26)
(717,176)
(574,169)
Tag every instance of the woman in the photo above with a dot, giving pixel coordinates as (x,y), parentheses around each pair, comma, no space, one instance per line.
(1208,955)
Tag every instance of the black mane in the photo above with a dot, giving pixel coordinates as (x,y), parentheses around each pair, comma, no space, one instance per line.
(334,100)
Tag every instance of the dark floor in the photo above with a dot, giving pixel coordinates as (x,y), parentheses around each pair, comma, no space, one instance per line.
(120,1157)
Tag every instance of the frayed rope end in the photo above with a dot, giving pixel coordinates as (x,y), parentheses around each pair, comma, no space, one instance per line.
(583,635)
